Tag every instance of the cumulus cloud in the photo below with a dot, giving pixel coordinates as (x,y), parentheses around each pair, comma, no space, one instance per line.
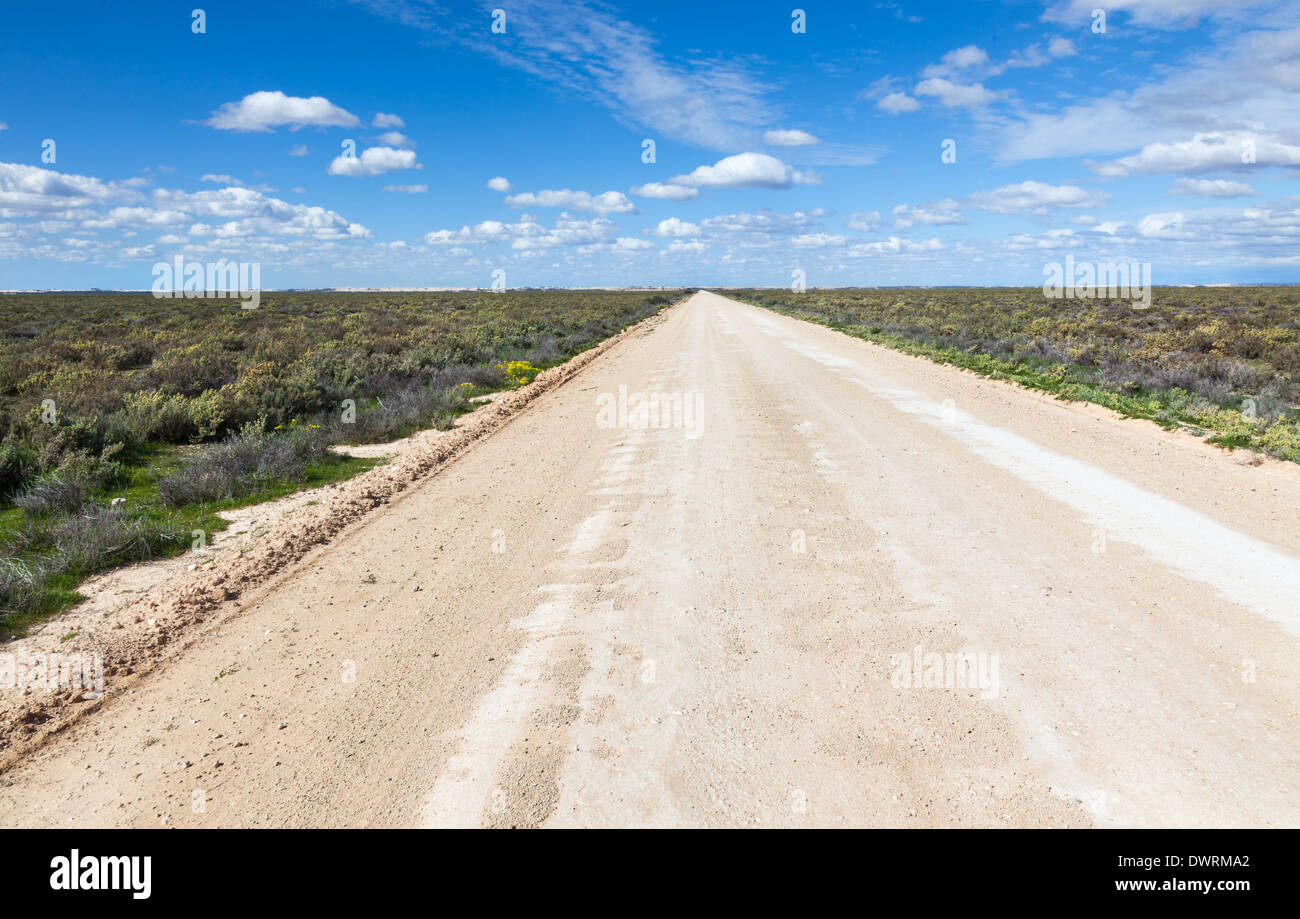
(672,227)
(864,223)
(816,241)
(25,190)
(956,95)
(373,161)
(1211,188)
(395,139)
(940,213)
(1034,198)
(407,189)
(298,150)
(893,246)
(264,111)
(956,81)
(665,190)
(233,216)
(629,244)
(610,202)
(757,170)
(500,184)
(763,221)
(895,103)
(1166,226)
(246,212)
(1208,152)
(788,138)
(528,233)
(1061,47)
(382,120)
(122,217)
(971,56)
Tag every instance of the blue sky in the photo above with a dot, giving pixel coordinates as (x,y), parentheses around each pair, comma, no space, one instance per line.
(1170,138)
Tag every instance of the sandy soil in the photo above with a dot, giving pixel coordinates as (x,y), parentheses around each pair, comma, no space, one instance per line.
(715,620)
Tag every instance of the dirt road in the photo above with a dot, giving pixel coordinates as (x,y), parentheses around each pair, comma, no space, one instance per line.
(747,611)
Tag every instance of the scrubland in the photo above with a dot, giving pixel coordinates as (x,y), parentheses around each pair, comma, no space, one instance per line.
(128,422)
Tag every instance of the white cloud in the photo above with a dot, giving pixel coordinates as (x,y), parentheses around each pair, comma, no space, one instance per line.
(373,161)
(1034,198)
(1165,226)
(764,221)
(789,138)
(500,184)
(665,190)
(382,120)
(1237,235)
(1108,227)
(864,223)
(230,216)
(956,95)
(967,58)
(895,103)
(816,241)
(1208,152)
(28,189)
(407,189)
(1034,55)
(3,126)
(247,212)
(610,202)
(672,227)
(528,233)
(263,111)
(893,246)
(298,150)
(957,80)
(743,170)
(120,217)
(682,245)
(628,244)
(1061,47)
(940,213)
(1211,188)
(395,139)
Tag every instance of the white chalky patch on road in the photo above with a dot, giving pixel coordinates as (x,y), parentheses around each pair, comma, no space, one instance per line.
(591,532)
(463,790)
(1243,569)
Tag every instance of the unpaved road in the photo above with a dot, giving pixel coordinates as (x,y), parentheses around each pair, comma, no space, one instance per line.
(586,622)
